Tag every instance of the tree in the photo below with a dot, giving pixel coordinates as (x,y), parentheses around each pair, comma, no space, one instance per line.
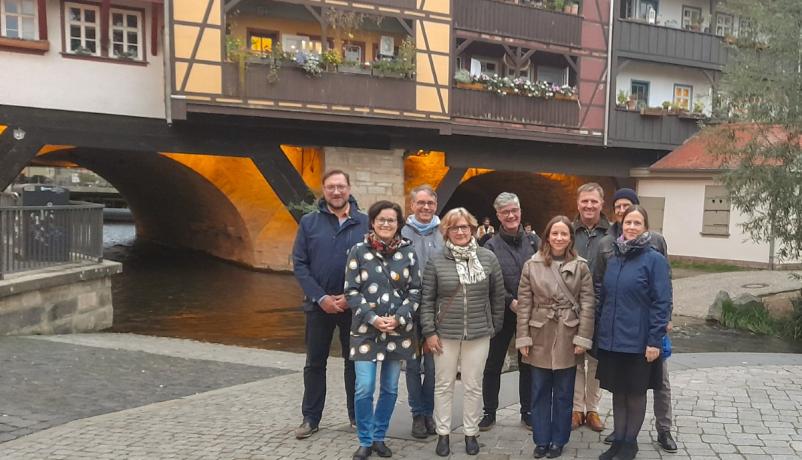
(760,114)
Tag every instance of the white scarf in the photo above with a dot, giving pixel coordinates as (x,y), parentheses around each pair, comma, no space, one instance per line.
(469,269)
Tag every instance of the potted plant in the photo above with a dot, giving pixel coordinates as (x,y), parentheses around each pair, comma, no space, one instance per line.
(575,8)
(621,99)
(698,111)
(558,5)
(696,23)
(330,59)
(567,8)
(666,105)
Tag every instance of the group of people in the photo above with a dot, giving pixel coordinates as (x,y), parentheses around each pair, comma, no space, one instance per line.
(588,305)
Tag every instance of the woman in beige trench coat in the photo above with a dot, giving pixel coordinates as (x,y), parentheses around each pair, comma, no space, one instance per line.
(555,324)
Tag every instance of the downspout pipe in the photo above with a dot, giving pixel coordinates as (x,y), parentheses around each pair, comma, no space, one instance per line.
(609,73)
(168,70)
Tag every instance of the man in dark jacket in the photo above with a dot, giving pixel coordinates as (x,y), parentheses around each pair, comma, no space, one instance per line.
(590,226)
(319,256)
(512,246)
(622,199)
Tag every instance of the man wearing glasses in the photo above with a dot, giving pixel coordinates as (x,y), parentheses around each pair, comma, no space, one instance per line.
(513,246)
(319,257)
(422,229)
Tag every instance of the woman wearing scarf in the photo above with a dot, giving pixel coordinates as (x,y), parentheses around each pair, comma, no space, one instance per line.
(382,287)
(555,325)
(631,320)
(462,308)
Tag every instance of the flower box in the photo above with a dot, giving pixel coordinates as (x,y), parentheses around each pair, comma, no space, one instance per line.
(353,69)
(563,97)
(474,86)
(652,111)
(692,115)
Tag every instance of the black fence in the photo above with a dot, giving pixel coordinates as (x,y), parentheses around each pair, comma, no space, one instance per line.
(37,237)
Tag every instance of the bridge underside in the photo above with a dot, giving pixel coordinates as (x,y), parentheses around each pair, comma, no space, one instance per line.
(234,187)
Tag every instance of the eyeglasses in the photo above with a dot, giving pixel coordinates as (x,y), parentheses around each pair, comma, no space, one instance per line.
(430,204)
(460,229)
(387,222)
(510,212)
(337,188)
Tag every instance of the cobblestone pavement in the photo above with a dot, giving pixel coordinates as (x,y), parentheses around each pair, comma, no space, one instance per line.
(744,408)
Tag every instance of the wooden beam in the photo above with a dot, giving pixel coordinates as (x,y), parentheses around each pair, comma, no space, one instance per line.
(571,63)
(448,186)
(16,151)
(462,46)
(283,178)
(406,26)
(105,5)
(231,4)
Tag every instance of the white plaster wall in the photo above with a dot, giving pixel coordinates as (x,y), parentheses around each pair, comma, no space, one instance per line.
(54,82)
(682,223)
(661,78)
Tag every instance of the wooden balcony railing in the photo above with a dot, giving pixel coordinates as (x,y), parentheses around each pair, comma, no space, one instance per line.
(486,105)
(293,85)
(518,21)
(665,44)
(631,129)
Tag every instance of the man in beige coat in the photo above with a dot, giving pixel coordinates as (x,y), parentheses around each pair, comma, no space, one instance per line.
(556,308)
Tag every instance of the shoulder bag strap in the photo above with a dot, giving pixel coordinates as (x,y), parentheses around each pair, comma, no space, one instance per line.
(564,287)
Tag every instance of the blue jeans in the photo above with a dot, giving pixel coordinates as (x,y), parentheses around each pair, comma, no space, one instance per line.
(371,425)
(552,403)
(421,394)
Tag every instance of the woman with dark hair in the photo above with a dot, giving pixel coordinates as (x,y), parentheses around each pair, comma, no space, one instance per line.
(631,319)
(382,287)
(555,325)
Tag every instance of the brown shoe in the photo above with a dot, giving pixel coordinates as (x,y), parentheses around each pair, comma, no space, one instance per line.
(594,422)
(577,420)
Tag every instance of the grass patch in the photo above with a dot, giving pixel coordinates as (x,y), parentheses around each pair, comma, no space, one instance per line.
(758,321)
(706,267)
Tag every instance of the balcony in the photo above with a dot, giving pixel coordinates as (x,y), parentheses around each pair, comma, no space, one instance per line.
(293,85)
(639,40)
(631,129)
(518,21)
(486,105)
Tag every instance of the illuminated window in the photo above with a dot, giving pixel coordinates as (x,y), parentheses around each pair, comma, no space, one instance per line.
(261,42)
(682,96)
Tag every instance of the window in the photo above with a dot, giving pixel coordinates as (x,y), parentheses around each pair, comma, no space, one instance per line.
(554,75)
(640,9)
(81,23)
(126,34)
(261,42)
(682,96)
(525,73)
(716,219)
(294,42)
(691,17)
(655,206)
(745,27)
(486,66)
(723,24)
(352,53)
(640,91)
(18,19)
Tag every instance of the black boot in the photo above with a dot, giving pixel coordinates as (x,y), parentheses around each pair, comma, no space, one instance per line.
(471,445)
(419,427)
(443,448)
(615,446)
(362,453)
(628,451)
(381,449)
(666,442)
(487,422)
(431,428)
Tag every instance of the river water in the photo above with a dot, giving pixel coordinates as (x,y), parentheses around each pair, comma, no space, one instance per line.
(176,293)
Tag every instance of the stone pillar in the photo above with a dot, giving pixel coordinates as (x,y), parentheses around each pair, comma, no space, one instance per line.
(375,174)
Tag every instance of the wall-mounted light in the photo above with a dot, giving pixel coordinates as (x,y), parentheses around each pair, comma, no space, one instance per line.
(19,134)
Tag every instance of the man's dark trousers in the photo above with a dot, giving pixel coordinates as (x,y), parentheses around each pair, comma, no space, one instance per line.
(491,383)
(319,332)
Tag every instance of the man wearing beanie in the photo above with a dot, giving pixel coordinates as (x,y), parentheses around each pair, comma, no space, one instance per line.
(622,199)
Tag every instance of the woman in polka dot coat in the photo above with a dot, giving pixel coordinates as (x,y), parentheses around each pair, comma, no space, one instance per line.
(383,290)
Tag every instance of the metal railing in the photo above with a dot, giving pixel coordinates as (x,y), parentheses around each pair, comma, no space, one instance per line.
(36,237)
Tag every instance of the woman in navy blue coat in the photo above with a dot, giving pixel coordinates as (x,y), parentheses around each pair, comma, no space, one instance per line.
(631,319)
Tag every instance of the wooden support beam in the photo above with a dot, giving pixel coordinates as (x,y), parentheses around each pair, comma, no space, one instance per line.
(105,6)
(17,149)
(154,29)
(448,186)
(571,63)
(231,4)
(283,178)
(406,26)
(41,6)
(462,46)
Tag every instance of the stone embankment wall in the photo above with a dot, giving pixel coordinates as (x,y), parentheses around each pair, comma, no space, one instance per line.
(60,300)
